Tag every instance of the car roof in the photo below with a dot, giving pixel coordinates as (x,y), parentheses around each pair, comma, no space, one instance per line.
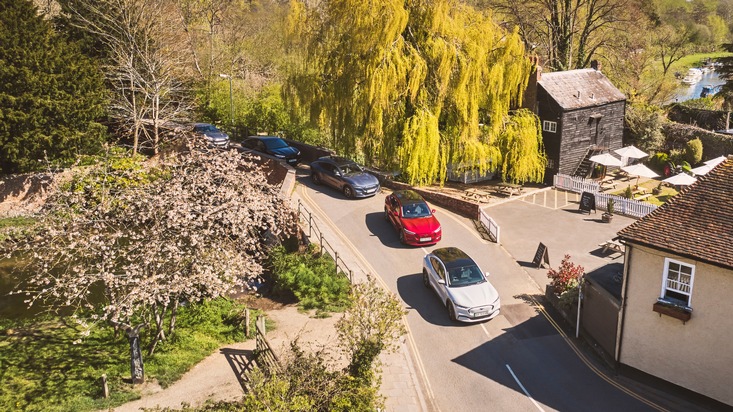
(202,124)
(265,137)
(336,160)
(408,197)
(453,257)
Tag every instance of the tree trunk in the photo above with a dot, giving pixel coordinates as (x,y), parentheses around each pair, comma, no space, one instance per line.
(174,312)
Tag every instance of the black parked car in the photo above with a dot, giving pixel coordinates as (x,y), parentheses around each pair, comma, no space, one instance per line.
(345,176)
(273,146)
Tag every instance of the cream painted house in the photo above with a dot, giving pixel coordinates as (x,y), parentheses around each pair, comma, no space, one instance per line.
(677,318)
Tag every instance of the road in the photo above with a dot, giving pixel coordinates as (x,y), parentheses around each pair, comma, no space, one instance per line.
(518,361)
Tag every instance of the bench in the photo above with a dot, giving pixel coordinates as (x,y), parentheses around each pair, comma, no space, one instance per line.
(612,245)
(477,195)
(642,197)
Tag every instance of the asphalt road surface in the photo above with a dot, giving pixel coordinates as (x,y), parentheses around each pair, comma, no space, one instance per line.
(519,361)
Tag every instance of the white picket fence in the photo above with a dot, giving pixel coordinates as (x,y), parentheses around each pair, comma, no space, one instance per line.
(622,205)
(490,225)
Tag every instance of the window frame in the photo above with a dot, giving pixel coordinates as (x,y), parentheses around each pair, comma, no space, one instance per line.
(665,277)
(549,126)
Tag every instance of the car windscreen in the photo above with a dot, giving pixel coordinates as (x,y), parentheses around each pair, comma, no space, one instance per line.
(465,275)
(206,128)
(415,210)
(351,169)
(273,144)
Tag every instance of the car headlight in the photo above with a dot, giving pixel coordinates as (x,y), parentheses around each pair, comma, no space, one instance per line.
(279,156)
(407,232)
(460,307)
(437,230)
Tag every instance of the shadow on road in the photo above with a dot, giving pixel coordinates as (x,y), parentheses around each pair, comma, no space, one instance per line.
(383,230)
(424,301)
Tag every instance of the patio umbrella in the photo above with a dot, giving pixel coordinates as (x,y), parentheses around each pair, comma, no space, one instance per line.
(639,170)
(680,179)
(631,152)
(701,170)
(605,159)
(716,161)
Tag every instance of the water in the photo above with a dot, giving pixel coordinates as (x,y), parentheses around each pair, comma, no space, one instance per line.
(692,91)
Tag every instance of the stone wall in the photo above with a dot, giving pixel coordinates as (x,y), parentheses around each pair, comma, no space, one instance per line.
(705,119)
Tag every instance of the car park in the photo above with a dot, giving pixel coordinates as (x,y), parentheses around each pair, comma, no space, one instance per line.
(461,285)
(413,219)
(214,136)
(273,146)
(344,175)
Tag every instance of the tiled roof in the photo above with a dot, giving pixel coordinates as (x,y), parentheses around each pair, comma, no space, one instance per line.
(697,223)
(575,89)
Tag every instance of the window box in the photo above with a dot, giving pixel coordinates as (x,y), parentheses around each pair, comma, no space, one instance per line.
(670,309)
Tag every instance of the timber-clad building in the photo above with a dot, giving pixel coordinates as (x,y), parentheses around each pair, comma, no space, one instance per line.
(582,114)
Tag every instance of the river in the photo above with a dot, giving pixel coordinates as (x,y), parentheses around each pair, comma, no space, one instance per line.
(692,91)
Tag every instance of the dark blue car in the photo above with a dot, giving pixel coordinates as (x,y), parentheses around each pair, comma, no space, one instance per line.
(345,176)
(273,146)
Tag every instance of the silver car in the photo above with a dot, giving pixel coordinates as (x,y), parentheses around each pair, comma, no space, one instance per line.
(214,136)
(461,285)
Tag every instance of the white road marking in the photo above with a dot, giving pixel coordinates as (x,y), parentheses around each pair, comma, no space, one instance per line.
(524,389)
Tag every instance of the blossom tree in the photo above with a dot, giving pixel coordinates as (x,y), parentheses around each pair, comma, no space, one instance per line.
(196,230)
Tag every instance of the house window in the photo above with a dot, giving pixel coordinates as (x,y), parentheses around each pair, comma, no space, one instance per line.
(549,126)
(677,286)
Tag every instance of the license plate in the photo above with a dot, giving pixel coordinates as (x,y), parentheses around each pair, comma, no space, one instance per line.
(425,239)
(480,314)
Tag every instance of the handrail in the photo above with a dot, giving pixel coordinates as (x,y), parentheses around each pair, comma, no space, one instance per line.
(306,217)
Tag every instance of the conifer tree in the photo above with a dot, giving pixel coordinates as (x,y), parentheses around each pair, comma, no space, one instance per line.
(50,96)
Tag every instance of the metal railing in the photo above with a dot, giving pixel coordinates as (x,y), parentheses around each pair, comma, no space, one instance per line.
(311,229)
(490,225)
(622,205)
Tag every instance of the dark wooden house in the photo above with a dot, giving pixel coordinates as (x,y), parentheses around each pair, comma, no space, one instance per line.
(582,115)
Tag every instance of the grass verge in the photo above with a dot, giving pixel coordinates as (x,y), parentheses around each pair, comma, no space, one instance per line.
(47,364)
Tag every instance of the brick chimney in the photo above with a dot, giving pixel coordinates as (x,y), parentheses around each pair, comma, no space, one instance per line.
(530,93)
(595,65)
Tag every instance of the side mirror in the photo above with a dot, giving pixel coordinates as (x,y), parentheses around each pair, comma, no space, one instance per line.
(441,281)
(487,274)
(336,173)
(432,211)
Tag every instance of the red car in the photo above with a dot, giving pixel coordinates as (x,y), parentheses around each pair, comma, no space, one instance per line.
(413,218)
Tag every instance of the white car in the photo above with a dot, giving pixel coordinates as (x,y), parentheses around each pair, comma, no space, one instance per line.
(461,285)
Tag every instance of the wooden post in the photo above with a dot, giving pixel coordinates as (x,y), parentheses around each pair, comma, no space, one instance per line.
(105,387)
(246,322)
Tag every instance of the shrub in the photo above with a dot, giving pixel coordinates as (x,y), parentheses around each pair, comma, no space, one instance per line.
(566,277)
(693,151)
(658,161)
(312,278)
(628,193)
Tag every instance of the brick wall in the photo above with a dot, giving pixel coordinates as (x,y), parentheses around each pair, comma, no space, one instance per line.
(461,207)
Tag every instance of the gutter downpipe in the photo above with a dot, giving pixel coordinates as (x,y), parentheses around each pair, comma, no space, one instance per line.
(622,308)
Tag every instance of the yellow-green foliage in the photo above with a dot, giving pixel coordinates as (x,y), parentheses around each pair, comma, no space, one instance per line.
(407,84)
(521,142)
(693,151)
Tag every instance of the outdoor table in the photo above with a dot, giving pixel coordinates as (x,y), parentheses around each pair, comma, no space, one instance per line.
(509,188)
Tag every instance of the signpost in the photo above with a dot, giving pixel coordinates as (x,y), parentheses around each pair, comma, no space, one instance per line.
(541,256)
(587,202)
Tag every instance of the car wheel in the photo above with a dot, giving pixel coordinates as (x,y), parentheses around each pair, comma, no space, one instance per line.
(348,191)
(316,178)
(402,236)
(425,279)
(386,215)
(452,311)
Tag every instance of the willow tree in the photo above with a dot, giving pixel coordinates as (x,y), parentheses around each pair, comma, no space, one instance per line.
(406,84)
(521,141)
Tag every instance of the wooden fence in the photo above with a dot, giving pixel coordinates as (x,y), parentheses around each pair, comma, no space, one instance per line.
(490,225)
(264,355)
(576,184)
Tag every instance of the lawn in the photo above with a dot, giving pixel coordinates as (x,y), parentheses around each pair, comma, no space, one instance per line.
(698,59)
(664,195)
(47,364)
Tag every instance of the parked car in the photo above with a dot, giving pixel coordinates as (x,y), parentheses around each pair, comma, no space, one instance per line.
(345,176)
(461,285)
(214,136)
(273,146)
(412,218)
